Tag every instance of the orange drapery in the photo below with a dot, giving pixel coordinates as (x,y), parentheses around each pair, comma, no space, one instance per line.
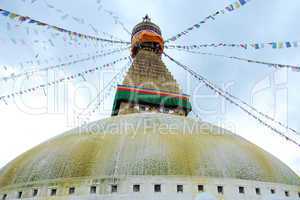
(147,36)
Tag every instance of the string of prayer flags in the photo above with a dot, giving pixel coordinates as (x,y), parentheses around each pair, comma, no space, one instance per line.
(197,115)
(68,39)
(30,73)
(115,17)
(294,68)
(274,45)
(231,100)
(36,56)
(58,81)
(232,7)
(63,14)
(21,41)
(104,33)
(117,20)
(256,46)
(259,112)
(99,3)
(26,19)
(105,93)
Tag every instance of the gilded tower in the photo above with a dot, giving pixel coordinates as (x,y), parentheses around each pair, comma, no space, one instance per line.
(149,86)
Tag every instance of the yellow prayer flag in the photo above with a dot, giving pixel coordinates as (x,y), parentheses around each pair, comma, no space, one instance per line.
(280,45)
(237,5)
(12,15)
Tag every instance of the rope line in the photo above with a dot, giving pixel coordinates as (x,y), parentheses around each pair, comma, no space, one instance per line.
(30,73)
(294,68)
(39,61)
(108,87)
(58,81)
(244,45)
(117,20)
(29,20)
(229,98)
(232,7)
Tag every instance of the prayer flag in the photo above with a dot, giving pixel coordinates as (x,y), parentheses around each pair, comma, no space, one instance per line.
(216,13)
(50,6)
(8,26)
(5,13)
(230,8)
(210,17)
(173,38)
(51,43)
(13,40)
(237,5)
(32,21)
(22,19)
(288,44)
(59,10)
(295,68)
(13,15)
(242,2)
(65,17)
(295,44)
(41,23)
(244,46)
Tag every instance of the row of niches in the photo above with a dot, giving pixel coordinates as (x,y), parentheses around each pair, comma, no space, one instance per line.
(126,108)
(138,188)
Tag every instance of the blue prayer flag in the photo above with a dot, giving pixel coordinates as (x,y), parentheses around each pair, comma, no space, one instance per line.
(5,13)
(230,8)
(243,2)
(288,44)
(274,45)
(31,21)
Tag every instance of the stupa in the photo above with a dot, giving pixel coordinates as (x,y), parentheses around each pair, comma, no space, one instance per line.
(148,149)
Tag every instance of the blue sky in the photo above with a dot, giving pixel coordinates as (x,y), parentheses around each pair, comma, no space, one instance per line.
(30,120)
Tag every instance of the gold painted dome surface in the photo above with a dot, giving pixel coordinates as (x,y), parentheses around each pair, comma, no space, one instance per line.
(147,144)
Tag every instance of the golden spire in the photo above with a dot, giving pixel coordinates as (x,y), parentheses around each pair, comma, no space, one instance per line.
(148,85)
